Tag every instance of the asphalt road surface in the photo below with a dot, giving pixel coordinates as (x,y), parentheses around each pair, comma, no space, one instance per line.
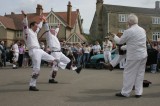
(89,88)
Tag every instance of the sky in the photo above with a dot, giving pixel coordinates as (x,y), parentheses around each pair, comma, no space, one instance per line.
(87,7)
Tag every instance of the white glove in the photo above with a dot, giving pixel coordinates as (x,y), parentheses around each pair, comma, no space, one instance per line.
(124,47)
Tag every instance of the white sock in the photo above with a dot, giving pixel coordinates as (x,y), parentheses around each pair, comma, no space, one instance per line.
(73,67)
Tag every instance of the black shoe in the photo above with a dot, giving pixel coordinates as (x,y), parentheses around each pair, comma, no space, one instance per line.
(78,70)
(119,95)
(109,66)
(52,81)
(138,96)
(33,88)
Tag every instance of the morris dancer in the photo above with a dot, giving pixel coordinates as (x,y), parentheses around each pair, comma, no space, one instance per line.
(55,47)
(30,38)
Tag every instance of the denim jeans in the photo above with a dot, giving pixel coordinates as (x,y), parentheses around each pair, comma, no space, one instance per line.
(153,67)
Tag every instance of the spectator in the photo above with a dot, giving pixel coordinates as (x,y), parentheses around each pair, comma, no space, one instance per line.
(155,57)
(3,55)
(21,54)
(86,54)
(96,48)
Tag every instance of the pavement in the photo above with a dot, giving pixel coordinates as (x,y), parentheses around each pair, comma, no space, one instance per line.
(89,88)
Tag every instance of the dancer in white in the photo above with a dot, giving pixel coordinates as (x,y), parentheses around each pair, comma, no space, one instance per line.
(117,60)
(55,47)
(30,38)
(15,54)
(107,48)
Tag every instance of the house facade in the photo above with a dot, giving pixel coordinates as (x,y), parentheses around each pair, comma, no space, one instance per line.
(113,18)
(71,29)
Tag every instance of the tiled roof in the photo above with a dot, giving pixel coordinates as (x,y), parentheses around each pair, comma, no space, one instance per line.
(63,15)
(7,22)
(17,19)
(117,8)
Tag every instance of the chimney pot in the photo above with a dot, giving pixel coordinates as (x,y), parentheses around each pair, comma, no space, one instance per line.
(99,1)
(12,13)
(82,21)
(77,10)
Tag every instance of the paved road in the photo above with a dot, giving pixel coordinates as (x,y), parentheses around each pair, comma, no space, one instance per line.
(90,88)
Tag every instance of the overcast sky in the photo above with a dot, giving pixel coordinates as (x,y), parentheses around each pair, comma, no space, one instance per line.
(86,7)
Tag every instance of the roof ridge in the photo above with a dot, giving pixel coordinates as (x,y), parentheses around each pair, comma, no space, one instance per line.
(128,6)
(35,13)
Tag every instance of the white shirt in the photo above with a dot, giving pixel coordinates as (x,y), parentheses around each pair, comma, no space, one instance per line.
(15,48)
(30,37)
(135,39)
(52,40)
(87,49)
(96,48)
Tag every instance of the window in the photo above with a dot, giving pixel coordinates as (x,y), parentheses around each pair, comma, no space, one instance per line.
(18,34)
(155,36)
(155,20)
(123,17)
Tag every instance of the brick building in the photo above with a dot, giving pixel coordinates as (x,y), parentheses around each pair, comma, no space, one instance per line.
(112,18)
(71,25)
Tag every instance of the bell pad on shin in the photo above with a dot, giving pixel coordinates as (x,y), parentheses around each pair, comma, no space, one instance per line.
(35,76)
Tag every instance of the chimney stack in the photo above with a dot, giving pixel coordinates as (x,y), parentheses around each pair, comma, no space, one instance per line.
(69,13)
(157,5)
(39,9)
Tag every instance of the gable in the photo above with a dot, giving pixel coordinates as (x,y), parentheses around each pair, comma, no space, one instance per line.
(53,19)
(1,25)
(74,38)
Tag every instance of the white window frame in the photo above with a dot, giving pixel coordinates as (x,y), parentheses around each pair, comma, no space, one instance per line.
(155,36)
(18,34)
(155,20)
(123,17)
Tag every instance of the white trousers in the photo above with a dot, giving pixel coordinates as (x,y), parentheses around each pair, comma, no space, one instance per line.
(122,63)
(63,61)
(37,55)
(133,74)
(117,59)
(107,56)
(15,57)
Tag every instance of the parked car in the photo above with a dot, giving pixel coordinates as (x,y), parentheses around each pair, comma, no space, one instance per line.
(96,60)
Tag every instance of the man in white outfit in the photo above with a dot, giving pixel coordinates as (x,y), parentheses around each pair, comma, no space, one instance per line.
(136,57)
(30,38)
(15,50)
(107,48)
(55,47)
